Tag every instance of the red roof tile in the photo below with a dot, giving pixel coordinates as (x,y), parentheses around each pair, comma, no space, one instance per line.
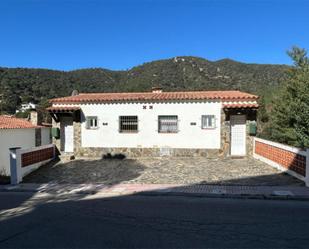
(10,122)
(241,105)
(62,108)
(150,96)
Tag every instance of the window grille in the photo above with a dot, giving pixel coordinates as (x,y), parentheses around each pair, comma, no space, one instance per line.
(92,122)
(168,124)
(208,121)
(128,124)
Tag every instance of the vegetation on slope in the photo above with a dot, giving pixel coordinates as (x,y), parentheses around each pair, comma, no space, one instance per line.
(20,85)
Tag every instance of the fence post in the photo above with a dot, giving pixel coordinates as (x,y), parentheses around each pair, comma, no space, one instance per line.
(14,165)
(307,168)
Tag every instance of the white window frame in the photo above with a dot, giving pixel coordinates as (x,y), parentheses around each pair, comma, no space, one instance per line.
(208,122)
(121,130)
(92,122)
(160,130)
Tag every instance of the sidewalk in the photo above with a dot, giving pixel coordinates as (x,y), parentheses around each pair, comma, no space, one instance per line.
(200,190)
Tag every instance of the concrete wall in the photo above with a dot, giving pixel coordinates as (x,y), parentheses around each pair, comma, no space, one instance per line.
(45,136)
(24,161)
(189,136)
(24,138)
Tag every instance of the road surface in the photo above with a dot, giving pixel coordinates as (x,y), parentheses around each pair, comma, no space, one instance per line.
(43,221)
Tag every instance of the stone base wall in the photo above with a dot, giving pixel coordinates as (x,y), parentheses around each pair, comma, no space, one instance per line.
(147,152)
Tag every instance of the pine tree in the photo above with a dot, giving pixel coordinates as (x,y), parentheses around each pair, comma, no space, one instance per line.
(290,115)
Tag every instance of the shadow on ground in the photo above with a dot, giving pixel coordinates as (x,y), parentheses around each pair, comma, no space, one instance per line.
(104,171)
(132,221)
(162,171)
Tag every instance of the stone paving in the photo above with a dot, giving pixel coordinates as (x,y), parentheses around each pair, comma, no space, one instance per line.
(246,171)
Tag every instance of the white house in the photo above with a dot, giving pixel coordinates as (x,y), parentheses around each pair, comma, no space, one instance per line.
(196,123)
(16,132)
(26,106)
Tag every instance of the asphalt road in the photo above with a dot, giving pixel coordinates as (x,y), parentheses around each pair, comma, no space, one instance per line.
(144,221)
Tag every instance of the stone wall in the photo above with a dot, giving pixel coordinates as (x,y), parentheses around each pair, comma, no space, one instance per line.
(249,140)
(77,137)
(225,135)
(147,152)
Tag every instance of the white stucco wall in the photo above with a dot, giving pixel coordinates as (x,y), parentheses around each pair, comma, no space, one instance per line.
(189,136)
(24,138)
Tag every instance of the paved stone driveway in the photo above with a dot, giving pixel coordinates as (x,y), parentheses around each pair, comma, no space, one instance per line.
(162,171)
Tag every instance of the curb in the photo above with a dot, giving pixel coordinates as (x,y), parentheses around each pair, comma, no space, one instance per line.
(226,196)
(258,196)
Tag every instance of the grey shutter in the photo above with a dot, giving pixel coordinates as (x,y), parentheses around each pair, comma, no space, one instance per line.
(87,123)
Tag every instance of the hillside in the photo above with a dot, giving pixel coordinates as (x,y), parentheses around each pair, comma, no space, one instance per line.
(19,85)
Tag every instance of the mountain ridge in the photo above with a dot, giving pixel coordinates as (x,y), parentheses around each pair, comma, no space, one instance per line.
(18,85)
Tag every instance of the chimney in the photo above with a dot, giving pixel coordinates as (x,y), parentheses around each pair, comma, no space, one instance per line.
(35,117)
(74,93)
(156,89)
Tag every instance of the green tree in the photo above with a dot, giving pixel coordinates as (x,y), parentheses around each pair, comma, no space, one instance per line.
(290,114)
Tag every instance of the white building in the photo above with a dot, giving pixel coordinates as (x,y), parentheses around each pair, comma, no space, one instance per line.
(26,106)
(16,132)
(200,123)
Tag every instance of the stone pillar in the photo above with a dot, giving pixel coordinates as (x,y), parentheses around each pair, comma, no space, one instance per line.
(35,118)
(77,137)
(225,135)
(249,139)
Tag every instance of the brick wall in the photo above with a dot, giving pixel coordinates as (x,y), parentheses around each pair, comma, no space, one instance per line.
(286,159)
(24,161)
(33,157)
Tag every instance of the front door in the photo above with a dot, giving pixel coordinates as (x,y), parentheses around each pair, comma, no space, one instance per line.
(67,139)
(238,135)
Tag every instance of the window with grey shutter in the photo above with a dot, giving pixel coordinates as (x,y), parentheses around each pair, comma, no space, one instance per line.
(208,122)
(92,122)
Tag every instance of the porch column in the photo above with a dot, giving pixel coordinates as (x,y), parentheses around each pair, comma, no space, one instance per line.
(225,135)
(77,137)
(56,141)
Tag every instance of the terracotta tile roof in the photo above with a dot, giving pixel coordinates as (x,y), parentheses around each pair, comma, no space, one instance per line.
(241,105)
(62,108)
(157,96)
(10,122)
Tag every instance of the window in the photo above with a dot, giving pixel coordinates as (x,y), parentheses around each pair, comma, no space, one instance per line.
(128,124)
(208,121)
(92,122)
(168,124)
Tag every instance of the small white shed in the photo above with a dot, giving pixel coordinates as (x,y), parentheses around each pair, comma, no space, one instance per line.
(16,132)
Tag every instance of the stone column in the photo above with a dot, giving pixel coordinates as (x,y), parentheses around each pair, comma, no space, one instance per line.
(77,137)
(249,140)
(225,135)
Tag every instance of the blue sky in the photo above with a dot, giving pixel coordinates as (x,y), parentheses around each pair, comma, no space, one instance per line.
(71,34)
